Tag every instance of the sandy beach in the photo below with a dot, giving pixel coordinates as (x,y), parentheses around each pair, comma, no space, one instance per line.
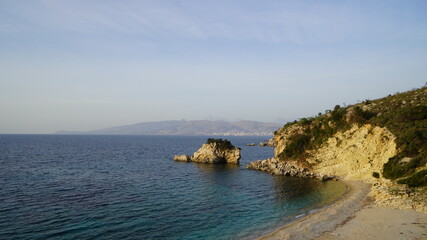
(355,216)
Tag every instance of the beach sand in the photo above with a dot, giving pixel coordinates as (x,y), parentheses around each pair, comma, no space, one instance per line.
(355,216)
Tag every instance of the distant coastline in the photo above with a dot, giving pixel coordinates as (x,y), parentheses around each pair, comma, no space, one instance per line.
(191,128)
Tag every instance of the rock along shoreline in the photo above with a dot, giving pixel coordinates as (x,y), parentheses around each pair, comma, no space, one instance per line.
(287,168)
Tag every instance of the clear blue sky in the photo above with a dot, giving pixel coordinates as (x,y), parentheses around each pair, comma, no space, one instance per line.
(82,65)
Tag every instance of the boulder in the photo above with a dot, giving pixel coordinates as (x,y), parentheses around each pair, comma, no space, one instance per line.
(182,158)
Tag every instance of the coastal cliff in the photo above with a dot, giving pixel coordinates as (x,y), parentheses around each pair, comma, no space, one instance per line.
(215,151)
(351,155)
(354,154)
(382,142)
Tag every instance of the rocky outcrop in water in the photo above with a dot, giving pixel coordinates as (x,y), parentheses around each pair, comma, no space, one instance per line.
(215,151)
(182,158)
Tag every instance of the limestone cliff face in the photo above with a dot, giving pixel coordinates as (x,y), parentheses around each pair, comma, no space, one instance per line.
(382,141)
(386,136)
(351,155)
(354,154)
(212,153)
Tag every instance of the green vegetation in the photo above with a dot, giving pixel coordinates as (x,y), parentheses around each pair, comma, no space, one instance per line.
(221,144)
(396,168)
(416,180)
(375,175)
(317,130)
(297,146)
(403,114)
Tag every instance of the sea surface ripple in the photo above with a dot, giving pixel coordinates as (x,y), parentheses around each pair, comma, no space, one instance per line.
(128,187)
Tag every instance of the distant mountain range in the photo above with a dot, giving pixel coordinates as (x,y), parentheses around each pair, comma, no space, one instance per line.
(184,127)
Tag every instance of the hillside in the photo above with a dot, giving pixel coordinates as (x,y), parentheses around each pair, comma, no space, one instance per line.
(382,141)
(397,123)
(184,127)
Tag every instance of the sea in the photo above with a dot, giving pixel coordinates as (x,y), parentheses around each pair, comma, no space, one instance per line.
(129,187)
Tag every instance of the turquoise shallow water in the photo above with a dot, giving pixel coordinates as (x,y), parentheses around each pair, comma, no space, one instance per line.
(128,187)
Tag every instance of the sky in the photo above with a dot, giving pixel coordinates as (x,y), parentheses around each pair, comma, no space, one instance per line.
(80,65)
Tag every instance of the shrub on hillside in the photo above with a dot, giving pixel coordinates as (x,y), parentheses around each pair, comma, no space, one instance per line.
(416,180)
(403,114)
(395,168)
(298,144)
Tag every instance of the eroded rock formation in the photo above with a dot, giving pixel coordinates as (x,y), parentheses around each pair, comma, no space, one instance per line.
(351,155)
(354,154)
(215,151)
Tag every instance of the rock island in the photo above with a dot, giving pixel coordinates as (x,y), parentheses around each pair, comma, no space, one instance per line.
(215,151)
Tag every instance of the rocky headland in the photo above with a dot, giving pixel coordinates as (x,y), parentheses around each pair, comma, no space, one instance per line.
(351,155)
(378,148)
(381,142)
(216,151)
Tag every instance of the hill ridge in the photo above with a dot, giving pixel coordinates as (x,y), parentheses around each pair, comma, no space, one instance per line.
(189,127)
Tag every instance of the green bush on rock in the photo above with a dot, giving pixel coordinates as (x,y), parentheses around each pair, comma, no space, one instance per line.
(221,144)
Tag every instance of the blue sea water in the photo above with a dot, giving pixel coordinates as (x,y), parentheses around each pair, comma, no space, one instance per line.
(128,187)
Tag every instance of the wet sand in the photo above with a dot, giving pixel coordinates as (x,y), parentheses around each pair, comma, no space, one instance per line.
(355,216)
(381,223)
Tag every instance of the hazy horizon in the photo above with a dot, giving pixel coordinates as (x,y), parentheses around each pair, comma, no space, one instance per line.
(84,65)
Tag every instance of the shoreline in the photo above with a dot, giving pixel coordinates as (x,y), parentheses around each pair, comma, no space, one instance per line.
(326,219)
(354,216)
